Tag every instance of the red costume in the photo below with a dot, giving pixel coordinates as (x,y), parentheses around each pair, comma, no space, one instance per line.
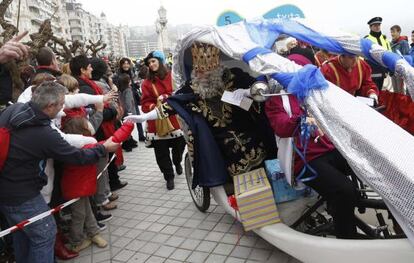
(356,81)
(150,96)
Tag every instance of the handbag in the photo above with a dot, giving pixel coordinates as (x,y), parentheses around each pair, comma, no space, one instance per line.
(163,126)
(285,146)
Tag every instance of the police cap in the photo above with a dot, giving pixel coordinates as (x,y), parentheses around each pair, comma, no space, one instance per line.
(375,20)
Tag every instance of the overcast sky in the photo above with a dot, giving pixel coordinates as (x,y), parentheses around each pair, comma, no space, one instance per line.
(350,15)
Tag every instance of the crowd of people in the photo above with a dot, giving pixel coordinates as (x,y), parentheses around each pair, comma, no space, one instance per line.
(60,136)
(63,133)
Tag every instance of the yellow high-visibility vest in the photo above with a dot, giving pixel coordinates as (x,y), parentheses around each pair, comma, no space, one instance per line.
(384,43)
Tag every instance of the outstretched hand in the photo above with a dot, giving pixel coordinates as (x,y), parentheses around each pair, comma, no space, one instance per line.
(111,95)
(374,97)
(136,118)
(13,49)
(110,145)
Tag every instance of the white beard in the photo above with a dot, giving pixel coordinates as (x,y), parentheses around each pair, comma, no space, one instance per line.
(209,86)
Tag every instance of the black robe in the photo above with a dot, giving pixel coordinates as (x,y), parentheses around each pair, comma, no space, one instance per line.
(227,140)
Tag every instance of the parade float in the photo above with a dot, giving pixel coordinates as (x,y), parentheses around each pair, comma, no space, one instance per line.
(379,151)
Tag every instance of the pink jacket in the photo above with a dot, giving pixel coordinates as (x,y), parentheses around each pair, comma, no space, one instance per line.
(285,126)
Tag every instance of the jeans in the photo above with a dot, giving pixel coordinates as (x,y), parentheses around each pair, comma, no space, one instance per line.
(35,243)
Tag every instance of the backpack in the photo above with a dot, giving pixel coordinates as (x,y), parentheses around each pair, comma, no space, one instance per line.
(4,145)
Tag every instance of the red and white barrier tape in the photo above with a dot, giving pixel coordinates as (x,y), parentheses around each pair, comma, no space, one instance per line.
(27,222)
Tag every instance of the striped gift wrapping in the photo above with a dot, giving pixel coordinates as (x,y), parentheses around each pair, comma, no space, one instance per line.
(255,200)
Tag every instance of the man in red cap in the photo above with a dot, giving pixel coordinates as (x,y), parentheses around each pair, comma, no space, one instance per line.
(375,35)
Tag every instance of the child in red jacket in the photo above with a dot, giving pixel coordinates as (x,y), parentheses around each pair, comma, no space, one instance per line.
(80,181)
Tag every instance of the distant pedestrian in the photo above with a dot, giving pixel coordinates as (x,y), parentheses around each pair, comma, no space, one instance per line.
(399,44)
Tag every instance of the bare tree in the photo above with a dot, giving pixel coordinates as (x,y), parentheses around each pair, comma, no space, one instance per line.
(41,38)
(96,47)
(9,29)
(64,51)
(8,33)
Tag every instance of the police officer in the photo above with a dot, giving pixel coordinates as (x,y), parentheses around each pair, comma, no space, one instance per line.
(378,72)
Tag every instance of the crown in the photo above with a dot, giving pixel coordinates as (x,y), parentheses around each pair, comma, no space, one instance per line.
(205,56)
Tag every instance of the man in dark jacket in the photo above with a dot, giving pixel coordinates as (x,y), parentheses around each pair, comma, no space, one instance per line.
(32,141)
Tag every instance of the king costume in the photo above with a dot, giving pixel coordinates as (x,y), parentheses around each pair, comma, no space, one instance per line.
(226,139)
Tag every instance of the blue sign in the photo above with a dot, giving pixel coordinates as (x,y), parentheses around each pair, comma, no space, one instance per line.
(228,17)
(285,11)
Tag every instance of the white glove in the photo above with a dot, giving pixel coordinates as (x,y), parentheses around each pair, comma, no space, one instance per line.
(239,94)
(374,97)
(152,115)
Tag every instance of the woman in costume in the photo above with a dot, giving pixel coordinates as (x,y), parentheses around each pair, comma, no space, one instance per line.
(167,134)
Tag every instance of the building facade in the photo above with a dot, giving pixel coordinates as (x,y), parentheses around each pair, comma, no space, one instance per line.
(69,21)
(140,48)
(34,12)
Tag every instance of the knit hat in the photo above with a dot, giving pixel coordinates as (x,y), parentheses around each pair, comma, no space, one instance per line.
(155,54)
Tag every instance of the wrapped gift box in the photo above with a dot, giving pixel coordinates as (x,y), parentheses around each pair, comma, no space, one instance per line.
(255,200)
(282,190)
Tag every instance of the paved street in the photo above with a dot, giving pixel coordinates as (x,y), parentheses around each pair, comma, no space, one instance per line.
(152,224)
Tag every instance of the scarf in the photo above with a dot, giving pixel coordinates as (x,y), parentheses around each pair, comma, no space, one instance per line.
(93,85)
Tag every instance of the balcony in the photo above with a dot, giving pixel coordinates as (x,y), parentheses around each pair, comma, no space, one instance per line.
(77,37)
(76,31)
(33,3)
(75,27)
(34,10)
(36,21)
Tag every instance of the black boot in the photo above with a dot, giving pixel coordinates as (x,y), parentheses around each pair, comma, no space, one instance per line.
(170,184)
(179,169)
